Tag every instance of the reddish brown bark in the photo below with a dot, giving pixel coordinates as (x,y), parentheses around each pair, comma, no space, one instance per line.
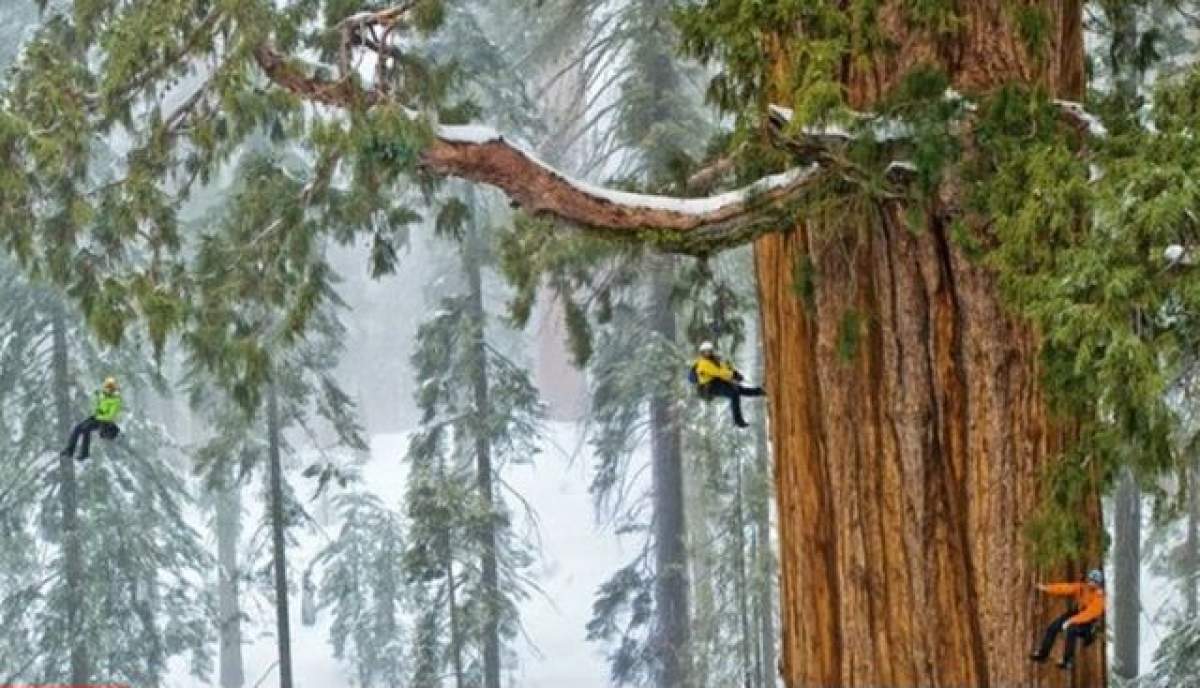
(909,466)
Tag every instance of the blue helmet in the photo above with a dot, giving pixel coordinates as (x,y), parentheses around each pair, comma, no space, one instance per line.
(1096,577)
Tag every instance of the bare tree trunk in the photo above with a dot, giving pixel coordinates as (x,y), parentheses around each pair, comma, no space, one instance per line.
(229,517)
(455,632)
(700,504)
(278,538)
(451,597)
(483,464)
(1127,570)
(908,470)
(764,555)
(1191,588)
(68,499)
(670,532)
(1127,502)
(743,585)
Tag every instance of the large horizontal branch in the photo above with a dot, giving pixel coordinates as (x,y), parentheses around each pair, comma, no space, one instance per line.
(481,155)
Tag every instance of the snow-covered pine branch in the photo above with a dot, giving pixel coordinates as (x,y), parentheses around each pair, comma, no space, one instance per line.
(482,155)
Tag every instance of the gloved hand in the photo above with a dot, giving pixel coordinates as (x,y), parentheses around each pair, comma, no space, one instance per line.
(738,377)
(1066,625)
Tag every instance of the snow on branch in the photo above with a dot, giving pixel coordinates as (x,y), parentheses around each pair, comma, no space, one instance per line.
(386,18)
(889,129)
(481,154)
(1081,118)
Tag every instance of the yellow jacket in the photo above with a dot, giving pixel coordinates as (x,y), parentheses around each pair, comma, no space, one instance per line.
(708,369)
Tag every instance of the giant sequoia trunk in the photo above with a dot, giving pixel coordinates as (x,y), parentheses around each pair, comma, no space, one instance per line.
(908,467)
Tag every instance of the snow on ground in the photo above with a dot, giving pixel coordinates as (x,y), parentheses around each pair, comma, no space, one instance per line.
(1159,597)
(576,559)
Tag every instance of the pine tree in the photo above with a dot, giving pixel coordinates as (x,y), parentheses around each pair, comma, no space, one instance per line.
(295,373)
(481,413)
(121,599)
(362,585)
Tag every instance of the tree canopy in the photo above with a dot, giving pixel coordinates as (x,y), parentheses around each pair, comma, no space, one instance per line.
(118,111)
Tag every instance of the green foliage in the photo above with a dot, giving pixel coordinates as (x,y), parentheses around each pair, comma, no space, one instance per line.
(580,270)
(622,616)
(938,16)
(850,333)
(804,280)
(177,85)
(1034,25)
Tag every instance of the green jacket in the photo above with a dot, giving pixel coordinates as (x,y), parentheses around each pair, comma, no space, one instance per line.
(107,407)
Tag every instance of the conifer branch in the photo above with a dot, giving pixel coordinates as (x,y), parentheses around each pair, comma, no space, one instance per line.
(205,29)
(481,155)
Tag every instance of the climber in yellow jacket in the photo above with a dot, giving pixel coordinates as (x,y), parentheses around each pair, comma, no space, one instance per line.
(714,376)
(1080,622)
(105,408)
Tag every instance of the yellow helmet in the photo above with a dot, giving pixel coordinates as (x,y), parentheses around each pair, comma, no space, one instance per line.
(110,384)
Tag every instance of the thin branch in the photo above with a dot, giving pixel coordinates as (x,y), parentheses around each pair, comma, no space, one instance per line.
(203,30)
(707,177)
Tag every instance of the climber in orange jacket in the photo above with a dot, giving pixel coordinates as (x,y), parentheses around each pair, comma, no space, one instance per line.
(1079,623)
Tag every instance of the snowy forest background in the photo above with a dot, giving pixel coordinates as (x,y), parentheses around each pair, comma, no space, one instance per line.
(473,479)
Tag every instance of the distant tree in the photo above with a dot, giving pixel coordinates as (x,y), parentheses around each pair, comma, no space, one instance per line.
(101,567)
(363,586)
(481,413)
(301,393)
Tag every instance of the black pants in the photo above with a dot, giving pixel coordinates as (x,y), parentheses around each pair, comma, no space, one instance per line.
(734,393)
(85,429)
(1074,635)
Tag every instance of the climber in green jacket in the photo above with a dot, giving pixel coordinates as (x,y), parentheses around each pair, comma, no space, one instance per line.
(105,410)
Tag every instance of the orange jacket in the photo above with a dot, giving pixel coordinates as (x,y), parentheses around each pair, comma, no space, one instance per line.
(1089,599)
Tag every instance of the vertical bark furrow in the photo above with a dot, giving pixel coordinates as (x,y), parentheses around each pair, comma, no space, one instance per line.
(909,469)
(906,510)
(954,413)
(807,555)
(883,491)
